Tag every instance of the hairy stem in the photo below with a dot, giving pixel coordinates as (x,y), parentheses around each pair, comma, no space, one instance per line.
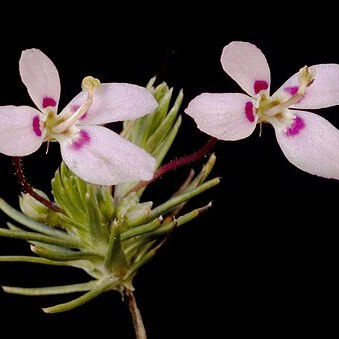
(27,188)
(139,328)
(186,160)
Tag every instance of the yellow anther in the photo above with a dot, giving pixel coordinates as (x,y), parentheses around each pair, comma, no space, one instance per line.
(90,84)
(306,77)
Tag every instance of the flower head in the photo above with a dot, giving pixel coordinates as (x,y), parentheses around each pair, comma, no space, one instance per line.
(94,153)
(308,141)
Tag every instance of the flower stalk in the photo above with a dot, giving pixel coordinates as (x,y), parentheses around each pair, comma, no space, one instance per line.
(138,323)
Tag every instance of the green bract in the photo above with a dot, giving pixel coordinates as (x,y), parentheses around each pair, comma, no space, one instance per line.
(109,232)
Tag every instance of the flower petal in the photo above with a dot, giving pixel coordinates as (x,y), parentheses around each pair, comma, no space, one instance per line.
(247,65)
(323,92)
(312,144)
(20,130)
(41,78)
(102,157)
(114,102)
(229,116)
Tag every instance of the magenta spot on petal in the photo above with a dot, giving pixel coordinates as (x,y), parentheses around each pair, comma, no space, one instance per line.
(291,89)
(82,139)
(48,102)
(260,85)
(36,126)
(74,108)
(249,111)
(83,116)
(297,125)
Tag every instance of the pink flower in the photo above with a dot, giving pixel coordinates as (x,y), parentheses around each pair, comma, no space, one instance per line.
(94,153)
(308,141)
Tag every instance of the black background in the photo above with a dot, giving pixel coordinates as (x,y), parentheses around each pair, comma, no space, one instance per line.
(262,261)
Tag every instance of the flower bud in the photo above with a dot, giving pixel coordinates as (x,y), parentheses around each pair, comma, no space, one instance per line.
(36,210)
(131,211)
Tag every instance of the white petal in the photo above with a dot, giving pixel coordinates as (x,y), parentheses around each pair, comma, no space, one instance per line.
(312,144)
(323,92)
(247,65)
(41,78)
(114,102)
(20,130)
(102,157)
(229,116)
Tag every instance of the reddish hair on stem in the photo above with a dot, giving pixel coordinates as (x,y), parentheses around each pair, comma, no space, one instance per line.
(185,160)
(27,188)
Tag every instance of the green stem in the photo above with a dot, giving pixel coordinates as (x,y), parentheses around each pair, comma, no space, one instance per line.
(27,188)
(139,328)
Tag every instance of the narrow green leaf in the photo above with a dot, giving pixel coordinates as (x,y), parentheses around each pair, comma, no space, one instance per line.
(150,84)
(138,133)
(32,260)
(192,215)
(172,203)
(205,171)
(13,227)
(140,230)
(148,239)
(160,91)
(64,255)
(94,292)
(142,261)
(165,228)
(159,114)
(30,223)
(72,226)
(66,193)
(38,291)
(164,125)
(39,237)
(98,230)
(163,147)
(106,203)
(191,184)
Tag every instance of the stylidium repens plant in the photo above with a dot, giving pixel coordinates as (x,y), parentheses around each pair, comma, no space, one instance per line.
(107,231)
(97,220)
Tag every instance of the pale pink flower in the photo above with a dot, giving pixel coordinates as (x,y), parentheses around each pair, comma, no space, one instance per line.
(308,141)
(94,153)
